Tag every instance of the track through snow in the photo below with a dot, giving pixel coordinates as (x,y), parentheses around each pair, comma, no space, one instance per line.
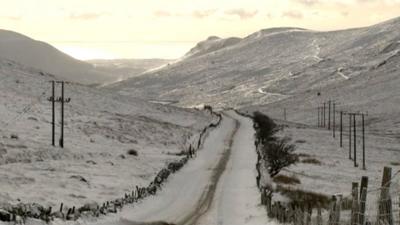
(217,187)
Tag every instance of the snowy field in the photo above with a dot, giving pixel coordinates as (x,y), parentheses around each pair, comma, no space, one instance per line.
(100,129)
(336,171)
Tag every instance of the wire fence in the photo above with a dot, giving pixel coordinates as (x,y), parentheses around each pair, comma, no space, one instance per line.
(376,206)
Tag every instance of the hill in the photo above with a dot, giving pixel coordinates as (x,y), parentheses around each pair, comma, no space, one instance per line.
(40,55)
(281,68)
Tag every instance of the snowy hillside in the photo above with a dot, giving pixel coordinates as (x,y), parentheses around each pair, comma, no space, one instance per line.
(32,53)
(212,44)
(100,129)
(281,63)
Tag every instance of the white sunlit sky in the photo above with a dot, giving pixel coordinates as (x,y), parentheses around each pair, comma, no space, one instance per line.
(88,29)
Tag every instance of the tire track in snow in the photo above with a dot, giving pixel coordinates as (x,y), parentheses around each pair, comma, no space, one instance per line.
(208,195)
(194,210)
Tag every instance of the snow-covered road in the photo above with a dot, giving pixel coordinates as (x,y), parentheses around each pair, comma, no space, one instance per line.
(217,187)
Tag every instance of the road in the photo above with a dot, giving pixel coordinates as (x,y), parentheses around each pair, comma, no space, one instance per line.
(217,187)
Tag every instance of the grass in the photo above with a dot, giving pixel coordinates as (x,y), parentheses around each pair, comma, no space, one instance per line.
(283,179)
(311,161)
(303,197)
(300,141)
(303,155)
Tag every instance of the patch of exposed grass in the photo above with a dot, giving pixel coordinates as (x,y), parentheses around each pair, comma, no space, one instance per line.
(300,141)
(303,155)
(395,163)
(304,197)
(283,179)
(311,161)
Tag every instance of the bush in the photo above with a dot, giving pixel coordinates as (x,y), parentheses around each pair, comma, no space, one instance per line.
(132,152)
(265,127)
(279,154)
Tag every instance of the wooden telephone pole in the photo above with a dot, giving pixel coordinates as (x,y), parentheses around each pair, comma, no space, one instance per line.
(341,129)
(334,121)
(324,124)
(329,114)
(62,100)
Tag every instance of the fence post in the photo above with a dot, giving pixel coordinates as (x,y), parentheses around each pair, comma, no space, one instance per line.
(385,214)
(332,211)
(363,198)
(319,215)
(355,205)
(338,208)
(309,214)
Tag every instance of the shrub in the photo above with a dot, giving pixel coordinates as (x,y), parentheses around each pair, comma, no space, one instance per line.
(279,154)
(265,127)
(277,151)
(132,152)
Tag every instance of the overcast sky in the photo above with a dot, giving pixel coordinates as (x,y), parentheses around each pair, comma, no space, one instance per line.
(169,28)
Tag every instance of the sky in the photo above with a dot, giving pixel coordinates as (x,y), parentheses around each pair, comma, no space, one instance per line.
(88,29)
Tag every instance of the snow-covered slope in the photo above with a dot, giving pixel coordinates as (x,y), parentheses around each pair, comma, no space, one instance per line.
(275,64)
(285,68)
(100,128)
(212,44)
(37,54)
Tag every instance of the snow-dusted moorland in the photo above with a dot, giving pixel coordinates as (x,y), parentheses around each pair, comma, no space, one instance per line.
(100,129)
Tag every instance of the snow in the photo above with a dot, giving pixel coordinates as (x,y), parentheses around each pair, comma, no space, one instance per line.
(266,59)
(188,195)
(22,49)
(100,127)
(336,172)
(339,71)
(237,199)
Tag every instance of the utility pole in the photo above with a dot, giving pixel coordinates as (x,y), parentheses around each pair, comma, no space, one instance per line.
(62,100)
(329,114)
(349,136)
(324,114)
(334,121)
(341,129)
(62,116)
(53,122)
(321,117)
(355,140)
(363,140)
(318,122)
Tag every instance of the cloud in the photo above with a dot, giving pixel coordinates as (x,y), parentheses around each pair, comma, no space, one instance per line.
(293,14)
(308,2)
(243,14)
(162,13)
(200,14)
(14,18)
(197,14)
(86,16)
